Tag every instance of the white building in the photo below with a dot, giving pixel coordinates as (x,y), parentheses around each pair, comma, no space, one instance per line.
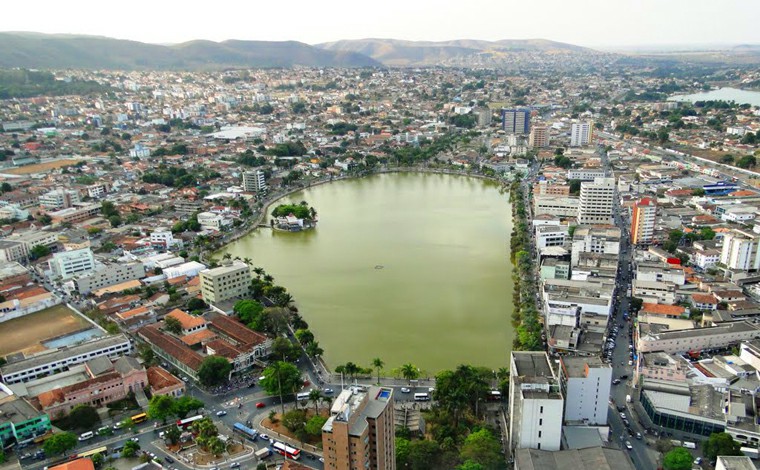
(581,133)
(586,383)
(67,264)
(98,190)
(139,151)
(108,275)
(596,201)
(209,220)
(189,269)
(550,235)
(585,174)
(562,206)
(229,281)
(164,238)
(535,401)
(740,250)
(58,199)
(599,240)
(254,181)
(739,213)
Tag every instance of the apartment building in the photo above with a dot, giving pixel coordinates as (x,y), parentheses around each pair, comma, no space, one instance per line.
(596,201)
(562,206)
(597,240)
(565,301)
(67,264)
(78,213)
(550,235)
(61,359)
(12,251)
(544,188)
(536,402)
(539,137)
(581,133)
(585,174)
(360,432)
(586,384)
(32,238)
(230,281)
(642,221)
(740,250)
(254,181)
(108,275)
(164,238)
(712,337)
(209,220)
(58,199)
(515,121)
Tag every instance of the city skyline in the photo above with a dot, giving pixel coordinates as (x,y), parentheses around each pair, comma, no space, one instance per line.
(597,23)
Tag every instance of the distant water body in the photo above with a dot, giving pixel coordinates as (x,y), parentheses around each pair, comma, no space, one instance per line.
(722,94)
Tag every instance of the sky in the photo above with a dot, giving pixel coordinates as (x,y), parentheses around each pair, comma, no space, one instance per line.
(592,23)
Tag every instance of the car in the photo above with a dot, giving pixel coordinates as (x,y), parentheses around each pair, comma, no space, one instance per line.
(221,413)
(235,465)
(622,415)
(328,391)
(260,404)
(405,390)
(134,439)
(626,423)
(621,408)
(117,426)
(306,383)
(264,436)
(628,445)
(639,436)
(321,459)
(698,461)
(168,459)
(616,382)
(624,377)
(630,363)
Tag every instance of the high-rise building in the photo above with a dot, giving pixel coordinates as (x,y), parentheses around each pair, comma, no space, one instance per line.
(535,402)
(581,133)
(539,137)
(515,121)
(360,432)
(642,221)
(231,280)
(740,250)
(586,383)
(254,181)
(596,201)
(67,264)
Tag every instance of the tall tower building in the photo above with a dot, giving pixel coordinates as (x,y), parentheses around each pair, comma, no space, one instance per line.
(515,121)
(642,221)
(586,383)
(740,250)
(535,402)
(360,432)
(254,181)
(581,133)
(596,201)
(539,137)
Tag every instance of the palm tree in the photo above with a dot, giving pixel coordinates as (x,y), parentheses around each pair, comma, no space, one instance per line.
(378,364)
(314,396)
(410,371)
(247,261)
(259,271)
(268,278)
(227,256)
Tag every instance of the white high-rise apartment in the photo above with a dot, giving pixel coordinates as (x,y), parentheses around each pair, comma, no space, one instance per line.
(580,133)
(740,250)
(535,401)
(596,201)
(586,383)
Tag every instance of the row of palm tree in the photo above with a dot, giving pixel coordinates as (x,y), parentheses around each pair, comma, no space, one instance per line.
(408,371)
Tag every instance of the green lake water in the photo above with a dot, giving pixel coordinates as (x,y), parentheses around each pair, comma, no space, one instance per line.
(407,267)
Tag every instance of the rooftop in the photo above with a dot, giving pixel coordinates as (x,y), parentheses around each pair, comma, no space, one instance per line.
(598,458)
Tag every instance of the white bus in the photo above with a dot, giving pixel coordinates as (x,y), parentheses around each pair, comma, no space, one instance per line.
(302,396)
(421,397)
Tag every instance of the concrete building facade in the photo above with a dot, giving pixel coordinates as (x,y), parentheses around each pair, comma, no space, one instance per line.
(596,201)
(586,384)
(642,221)
(230,281)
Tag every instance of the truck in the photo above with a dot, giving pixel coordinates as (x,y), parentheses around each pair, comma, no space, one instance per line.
(263,453)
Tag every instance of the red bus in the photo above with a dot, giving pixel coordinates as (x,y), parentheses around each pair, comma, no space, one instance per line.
(286,450)
(187,422)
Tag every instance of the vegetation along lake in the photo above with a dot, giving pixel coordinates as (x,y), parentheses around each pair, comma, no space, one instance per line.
(407,267)
(722,94)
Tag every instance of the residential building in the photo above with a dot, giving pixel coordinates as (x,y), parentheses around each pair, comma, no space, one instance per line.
(662,366)
(544,188)
(209,220)
(596,240)
(711,337)
(360,432)
(581,133)
(555,205)
(139,151)
(20,422)
(32,238)
(740,250)
(550,235)
(78,213)
(108,275)
(162,382)
(230,281)
(98,190)
(59,360)
(734,463)
(585,174)
(164,238)
(656,292)
(58,199)
(586,383)
(67,264)
(642,221)
(553,268)
(539,137)
(254,181)
(596,201)
(12,251)
(515,121)
(566,300)
(536,402)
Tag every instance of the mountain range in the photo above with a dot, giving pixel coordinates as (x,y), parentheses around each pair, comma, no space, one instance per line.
(36,50)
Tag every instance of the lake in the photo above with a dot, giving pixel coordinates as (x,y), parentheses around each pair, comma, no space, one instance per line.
(407,267)
(722,94)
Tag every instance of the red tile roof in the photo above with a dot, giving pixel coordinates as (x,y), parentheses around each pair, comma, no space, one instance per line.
(171,346)
(667,310)
(236,331)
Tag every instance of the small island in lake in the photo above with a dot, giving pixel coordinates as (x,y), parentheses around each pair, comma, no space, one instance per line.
(293,217)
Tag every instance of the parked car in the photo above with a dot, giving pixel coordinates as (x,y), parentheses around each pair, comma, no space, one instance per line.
(221,413)
(405,390)
(628,445)
(616,382)
(260,404)
(168,459)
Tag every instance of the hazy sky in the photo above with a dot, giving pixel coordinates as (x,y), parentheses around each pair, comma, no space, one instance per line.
(582,22)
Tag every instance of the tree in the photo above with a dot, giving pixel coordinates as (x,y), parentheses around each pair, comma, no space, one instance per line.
(294,420)
(378,364)
(97,459)
(173,434)
(721,443)
(196,304)
(313,349)
(459,391)
(315,395)
(214,370)
(84,417)
(39,251)
(172,325)
(483,448)
(409,371)
(161,407)
(285,350)
(747,161)
(59,444)
(108,209)
(250,313)
(130,449)
(304,336)
(636,304)
(114,220)
(424,455)
(314,425)
(216,446)
(677,459)
(6,188)
(470,465)
(185,404)
(281,378)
